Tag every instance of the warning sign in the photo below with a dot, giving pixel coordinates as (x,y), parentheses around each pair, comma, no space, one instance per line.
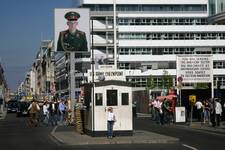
(195,68)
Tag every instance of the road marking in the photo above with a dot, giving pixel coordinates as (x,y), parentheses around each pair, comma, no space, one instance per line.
(54,137)
(185,145)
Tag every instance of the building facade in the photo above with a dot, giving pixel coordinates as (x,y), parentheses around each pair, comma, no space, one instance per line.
(151,33)
(149,36)
(43,69)
(216,12)
(3,83)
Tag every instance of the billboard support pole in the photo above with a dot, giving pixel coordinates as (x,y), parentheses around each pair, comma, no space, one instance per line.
(72,83)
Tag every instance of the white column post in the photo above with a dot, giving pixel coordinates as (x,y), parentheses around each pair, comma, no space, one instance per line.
(212,85)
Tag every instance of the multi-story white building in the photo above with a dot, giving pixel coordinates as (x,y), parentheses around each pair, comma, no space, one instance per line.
(151,33)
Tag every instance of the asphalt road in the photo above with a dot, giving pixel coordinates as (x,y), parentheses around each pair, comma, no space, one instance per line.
(191,138)
(16,135)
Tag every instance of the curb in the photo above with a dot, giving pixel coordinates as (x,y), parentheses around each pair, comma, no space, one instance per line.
(141,139)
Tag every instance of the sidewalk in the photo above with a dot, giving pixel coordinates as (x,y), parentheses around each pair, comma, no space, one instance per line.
(204,127)
(67,135)
(3,115)
(195,125)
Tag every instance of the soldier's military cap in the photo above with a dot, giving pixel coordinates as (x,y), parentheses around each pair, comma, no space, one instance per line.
(72,15)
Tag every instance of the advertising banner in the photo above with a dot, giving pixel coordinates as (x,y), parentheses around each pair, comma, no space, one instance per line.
(72,30)
(195,68)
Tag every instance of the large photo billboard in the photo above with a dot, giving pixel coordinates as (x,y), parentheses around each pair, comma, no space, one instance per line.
(195,68)
(72,30)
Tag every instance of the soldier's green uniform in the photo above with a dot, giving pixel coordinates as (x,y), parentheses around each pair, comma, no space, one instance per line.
(72,41)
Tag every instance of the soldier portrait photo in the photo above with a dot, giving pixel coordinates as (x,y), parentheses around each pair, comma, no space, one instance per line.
(72,39)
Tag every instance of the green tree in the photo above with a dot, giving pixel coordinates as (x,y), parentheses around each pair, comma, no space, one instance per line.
(201,86)
(167,81)
(150,83)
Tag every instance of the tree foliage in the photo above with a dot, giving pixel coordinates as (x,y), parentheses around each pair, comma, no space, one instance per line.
(201,86)
(150,83)
(167,80)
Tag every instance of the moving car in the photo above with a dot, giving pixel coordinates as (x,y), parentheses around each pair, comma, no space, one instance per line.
(22,109)
(12,106)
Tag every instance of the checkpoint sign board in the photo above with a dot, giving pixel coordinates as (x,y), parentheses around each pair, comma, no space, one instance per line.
(195,68)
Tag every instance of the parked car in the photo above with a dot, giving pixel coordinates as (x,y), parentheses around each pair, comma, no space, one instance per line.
(22,109)
(12,106)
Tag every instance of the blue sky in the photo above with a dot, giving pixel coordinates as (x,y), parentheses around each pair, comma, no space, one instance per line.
(23,24)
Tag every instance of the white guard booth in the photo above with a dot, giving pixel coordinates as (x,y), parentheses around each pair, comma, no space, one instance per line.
(111,93)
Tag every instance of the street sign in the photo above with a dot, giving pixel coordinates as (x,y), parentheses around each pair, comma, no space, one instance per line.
(179,79)
(192,99)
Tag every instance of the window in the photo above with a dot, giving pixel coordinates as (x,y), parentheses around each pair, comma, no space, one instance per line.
(125,98)
(112,98)
(98,99)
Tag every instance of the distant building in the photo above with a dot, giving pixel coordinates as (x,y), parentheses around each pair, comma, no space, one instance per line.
(43,69)
(3,86)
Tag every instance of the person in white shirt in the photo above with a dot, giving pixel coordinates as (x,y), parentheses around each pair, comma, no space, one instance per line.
(218,110)
(153,104)
(159,112)
(199,106)
(45,113)
(110,122)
